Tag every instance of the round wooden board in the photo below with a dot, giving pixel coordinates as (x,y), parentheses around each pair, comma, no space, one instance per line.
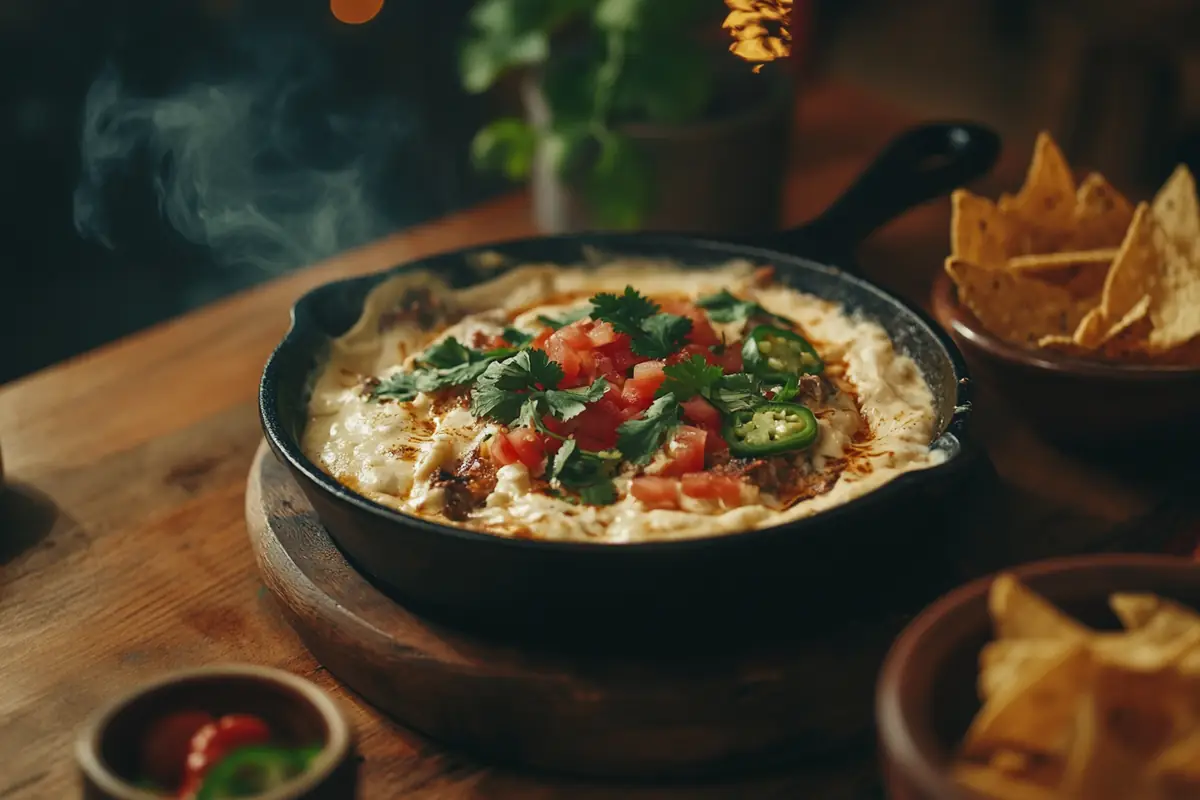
(586,716)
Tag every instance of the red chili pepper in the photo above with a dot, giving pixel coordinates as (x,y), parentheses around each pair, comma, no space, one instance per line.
(216,739)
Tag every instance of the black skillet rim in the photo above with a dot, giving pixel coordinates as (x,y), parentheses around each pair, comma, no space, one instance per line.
(288,447)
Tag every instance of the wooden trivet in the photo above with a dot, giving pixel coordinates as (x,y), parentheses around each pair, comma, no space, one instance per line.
(588,716)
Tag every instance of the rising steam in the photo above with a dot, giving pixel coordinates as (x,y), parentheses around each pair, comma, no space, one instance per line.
(252,166)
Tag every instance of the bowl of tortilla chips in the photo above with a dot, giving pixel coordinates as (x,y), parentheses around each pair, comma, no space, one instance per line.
(1069,678)
(1080,306)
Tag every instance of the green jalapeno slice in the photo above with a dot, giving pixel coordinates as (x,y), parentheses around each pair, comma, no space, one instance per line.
(777,353)
(252,770)
(771,428)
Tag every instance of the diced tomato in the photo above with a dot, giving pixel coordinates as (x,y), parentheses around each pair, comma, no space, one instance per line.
(165,748)
(531,449)
(650,369)
(686,450)
(730,359)
(495,343)
(705,486)
(217,739)
(539,341)
(700,412)
(521,445)
(601,334)
(607,370)
(575,336)
(621,354)
(656,492)
(715,446)
(702,332)
(596,427)
(690,350)
(566,357)
(501,451)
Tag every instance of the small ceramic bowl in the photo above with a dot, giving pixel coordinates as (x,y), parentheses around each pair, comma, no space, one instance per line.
(926,696)
(107,748)
(1082,405)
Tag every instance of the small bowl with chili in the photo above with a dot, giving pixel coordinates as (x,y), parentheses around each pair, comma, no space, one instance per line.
(219,732)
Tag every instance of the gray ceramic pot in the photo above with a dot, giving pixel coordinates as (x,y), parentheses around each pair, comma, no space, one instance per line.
(716,176)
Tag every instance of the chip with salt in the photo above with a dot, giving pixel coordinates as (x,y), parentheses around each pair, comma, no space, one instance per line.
(1017,308)
(1081,270)
(1073,712)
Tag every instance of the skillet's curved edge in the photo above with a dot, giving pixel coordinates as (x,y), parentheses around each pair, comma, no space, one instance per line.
(301,346)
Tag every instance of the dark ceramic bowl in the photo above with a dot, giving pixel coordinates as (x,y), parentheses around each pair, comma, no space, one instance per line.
(107,747)
(926,696)
(1083,405)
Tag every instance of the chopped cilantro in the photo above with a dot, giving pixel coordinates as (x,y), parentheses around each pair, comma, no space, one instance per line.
(589,474)
(661,335)
(625,312)
(788,391)
(517,337)
(523,388)
(566,319)
(639,439)
(443,365)
(727,307)
(654,335)
(447,353)
(690,378)
(737,392)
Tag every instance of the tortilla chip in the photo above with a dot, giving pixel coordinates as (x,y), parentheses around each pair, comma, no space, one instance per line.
(1002,663)
(979,233)
(1036,714)
(1070,258)
(1175,208)
(1098,767)
(1018,613)
(1047,199)
(1180,762)
(1102,214)
(1134,272)
(1161,619)
(1016,308)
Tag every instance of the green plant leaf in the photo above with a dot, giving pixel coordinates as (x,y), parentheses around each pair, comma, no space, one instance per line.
(619,189)
(505,145)
(671,85)
(566,148)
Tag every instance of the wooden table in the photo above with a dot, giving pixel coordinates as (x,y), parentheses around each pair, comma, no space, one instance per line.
(122,539)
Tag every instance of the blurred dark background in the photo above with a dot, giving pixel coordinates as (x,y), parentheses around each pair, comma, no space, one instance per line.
(375,119)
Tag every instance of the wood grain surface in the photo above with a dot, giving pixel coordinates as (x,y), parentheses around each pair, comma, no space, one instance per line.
(123,542)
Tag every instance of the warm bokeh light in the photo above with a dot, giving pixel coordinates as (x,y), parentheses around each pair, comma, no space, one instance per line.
(355,12)
(759,29)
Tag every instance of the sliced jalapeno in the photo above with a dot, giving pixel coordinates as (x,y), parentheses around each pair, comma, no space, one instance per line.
(771,428)
(777,353)
(253,770)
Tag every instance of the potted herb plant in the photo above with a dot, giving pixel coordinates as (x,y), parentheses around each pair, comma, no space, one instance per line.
(636,115)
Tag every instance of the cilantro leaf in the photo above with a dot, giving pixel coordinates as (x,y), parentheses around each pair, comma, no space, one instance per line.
(446,353)
(725,306)
(503,388)
(589,474)
(402,386)
(788,391)
(737,392)
(661,335)
(566,319)
(517,337)
(690,378)
(639,439)
(602,493)
(565,404)
(625,312)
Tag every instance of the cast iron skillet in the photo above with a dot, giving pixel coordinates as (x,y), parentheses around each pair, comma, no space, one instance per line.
(881,549)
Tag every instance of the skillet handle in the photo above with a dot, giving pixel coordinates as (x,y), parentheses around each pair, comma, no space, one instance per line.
(923,163)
